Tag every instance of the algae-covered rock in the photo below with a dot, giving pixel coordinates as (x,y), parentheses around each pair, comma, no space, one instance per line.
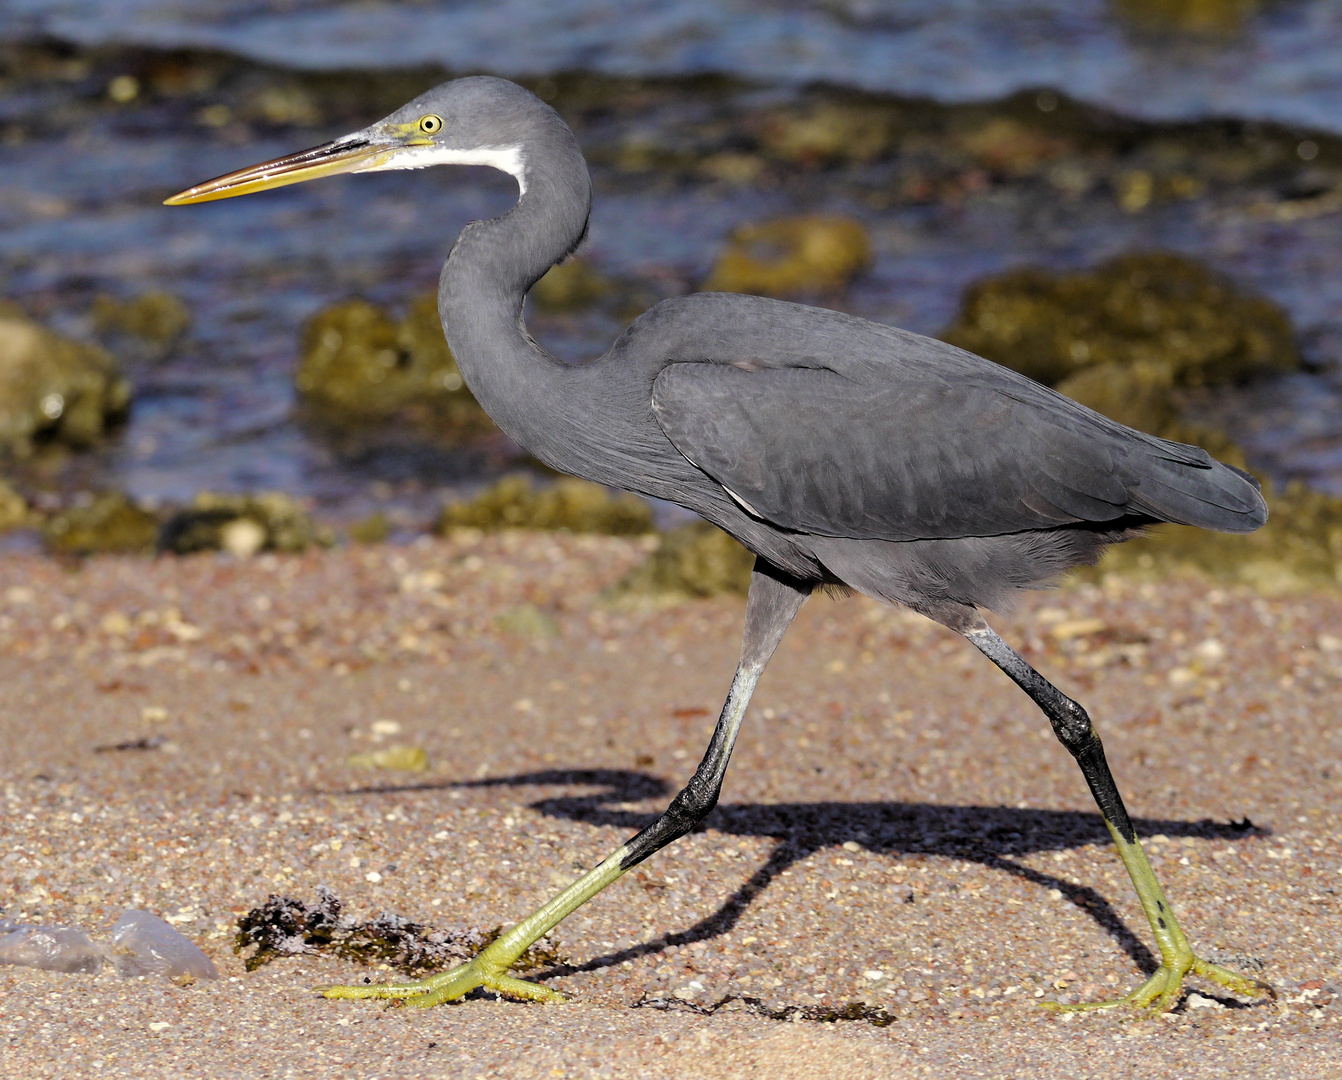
(108,523)
(568,504)
(156,317)
(1142,395)
(1201,17)
(830,133)
(14,512)
(374,529)
(241,525)
(570,286)
(54,387)
(1160,312)
(697,559)
(1010,148)
(1124,339)
(792,257)
(357,361)
(1139,394)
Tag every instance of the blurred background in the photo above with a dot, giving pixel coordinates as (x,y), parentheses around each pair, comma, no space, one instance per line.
(1136,201)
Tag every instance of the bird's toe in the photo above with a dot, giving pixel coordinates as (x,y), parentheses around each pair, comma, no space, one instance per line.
(450,985)
(1164,989)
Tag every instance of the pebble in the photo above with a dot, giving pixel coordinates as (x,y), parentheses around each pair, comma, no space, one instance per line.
(50,948)
(142,944)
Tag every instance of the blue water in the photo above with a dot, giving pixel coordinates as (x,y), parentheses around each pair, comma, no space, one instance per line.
(80,211)
(1283,64)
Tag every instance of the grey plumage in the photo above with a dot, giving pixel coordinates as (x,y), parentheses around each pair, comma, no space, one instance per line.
(838,450)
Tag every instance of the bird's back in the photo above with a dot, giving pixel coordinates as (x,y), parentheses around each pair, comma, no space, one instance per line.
(827,423)
(904,466)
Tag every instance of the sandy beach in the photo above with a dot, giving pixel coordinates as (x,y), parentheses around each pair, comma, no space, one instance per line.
(899,833)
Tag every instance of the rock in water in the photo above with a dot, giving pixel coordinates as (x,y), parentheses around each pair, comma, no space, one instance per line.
(109,523)
(568,505)
(241,525)
(55,387)
(50,948)
(1157,312)
(789,257)
(570,286)
(697,559)
(357,362)
(14,514)
(157,317)
(143,944)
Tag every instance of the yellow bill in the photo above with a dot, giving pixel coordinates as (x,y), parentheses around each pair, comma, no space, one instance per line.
(347,155)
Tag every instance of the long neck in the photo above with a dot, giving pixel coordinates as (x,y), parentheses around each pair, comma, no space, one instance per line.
(485,281)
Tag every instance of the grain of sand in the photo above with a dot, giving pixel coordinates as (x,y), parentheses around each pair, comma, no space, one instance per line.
(898,827)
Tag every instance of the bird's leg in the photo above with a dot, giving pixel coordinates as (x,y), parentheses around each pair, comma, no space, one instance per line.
(773,602)
(1074,730)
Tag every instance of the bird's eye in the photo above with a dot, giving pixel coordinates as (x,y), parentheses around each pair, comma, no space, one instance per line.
(430,124)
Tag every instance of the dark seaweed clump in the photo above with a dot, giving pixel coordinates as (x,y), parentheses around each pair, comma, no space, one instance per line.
(112,523)
(693,560)
(14,510)
(159,318)
(875,1015)
(285,926)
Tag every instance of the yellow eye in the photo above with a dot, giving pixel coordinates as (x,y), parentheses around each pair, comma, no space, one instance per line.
(430,124)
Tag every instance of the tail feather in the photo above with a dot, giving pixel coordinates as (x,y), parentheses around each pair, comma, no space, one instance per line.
(1211,496)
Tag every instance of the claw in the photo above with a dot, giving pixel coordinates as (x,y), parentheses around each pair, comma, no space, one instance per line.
(1161,991)
(449,986)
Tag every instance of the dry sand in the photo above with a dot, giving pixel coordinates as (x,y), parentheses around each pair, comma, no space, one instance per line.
(898,827)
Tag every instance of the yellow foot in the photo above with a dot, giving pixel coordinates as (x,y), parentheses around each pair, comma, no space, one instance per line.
(1162,990)
(449,986)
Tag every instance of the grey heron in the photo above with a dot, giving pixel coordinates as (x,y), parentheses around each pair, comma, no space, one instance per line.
(840,451)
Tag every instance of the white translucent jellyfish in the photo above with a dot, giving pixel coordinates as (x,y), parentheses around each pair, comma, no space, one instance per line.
(143,944)
(51,948)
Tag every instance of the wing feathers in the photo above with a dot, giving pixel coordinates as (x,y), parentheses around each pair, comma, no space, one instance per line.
(897,453)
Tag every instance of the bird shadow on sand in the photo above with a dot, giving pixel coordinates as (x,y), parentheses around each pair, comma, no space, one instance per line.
(995,837)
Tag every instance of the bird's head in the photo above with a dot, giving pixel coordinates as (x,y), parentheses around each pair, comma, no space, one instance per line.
(473,121)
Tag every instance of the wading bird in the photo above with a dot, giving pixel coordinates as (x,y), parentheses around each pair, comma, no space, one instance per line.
(839,451)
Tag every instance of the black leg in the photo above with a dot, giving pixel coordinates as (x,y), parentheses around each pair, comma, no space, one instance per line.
(1071,724)
(1074,730)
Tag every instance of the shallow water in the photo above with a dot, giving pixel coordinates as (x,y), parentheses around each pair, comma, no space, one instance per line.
(83,179)
(1280,62)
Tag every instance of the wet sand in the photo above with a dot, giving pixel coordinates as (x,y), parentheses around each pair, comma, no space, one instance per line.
(898,829)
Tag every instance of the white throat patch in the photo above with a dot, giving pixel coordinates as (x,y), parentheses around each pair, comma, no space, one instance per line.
(505,158)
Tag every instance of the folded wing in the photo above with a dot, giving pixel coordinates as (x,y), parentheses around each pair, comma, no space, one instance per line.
(903,452)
